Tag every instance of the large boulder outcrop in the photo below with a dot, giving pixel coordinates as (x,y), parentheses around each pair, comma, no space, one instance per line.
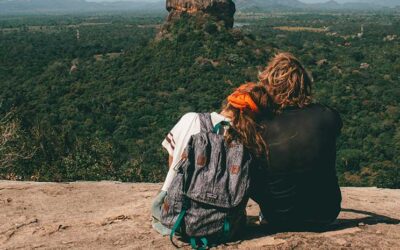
(221,10)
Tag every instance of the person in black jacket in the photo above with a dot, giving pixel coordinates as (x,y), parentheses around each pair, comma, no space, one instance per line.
(297,186)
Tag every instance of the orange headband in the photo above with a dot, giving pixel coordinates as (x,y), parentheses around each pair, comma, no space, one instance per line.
(241,100)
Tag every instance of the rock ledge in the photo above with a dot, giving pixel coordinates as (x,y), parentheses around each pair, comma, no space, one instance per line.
(108,215)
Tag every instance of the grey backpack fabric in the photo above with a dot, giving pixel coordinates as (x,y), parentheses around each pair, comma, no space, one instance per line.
(207,199)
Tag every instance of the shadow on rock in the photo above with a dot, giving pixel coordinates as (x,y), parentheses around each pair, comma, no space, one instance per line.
(371,219)
(255,231)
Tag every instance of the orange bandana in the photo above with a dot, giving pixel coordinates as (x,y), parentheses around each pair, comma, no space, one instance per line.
(240,99)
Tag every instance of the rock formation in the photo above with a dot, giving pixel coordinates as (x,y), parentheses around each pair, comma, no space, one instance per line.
(221,10)
(107,215)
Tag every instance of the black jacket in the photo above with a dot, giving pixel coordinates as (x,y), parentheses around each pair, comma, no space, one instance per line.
(299,183)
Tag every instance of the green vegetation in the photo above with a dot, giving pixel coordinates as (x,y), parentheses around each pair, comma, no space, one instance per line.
(99,106)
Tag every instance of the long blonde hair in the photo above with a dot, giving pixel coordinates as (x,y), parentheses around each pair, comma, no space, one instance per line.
(287,82)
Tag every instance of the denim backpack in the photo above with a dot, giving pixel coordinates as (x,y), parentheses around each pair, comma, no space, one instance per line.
(206,202)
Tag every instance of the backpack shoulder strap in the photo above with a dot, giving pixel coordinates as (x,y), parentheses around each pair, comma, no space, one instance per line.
(206,124)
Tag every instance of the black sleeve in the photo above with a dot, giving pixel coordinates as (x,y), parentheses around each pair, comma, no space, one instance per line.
(337,122)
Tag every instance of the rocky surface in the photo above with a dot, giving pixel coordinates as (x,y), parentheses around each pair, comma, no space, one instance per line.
(221,10)
(109,215)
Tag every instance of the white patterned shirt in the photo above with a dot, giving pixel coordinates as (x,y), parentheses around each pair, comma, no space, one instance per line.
(178,138)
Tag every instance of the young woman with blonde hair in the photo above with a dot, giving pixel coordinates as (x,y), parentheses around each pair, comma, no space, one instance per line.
(299,187)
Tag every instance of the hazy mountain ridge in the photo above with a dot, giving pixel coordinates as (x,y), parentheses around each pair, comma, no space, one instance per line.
(387,3)
(253,5)
(78,6)
(44,6)
(269,4)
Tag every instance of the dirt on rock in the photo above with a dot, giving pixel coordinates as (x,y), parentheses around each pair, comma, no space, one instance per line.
(108,215)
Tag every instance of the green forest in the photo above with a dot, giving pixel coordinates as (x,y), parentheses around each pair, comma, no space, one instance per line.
(91,97)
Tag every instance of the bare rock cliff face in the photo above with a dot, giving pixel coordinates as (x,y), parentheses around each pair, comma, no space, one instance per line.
(222,10)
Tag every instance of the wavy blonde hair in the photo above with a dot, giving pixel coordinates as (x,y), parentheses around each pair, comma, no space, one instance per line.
(287,82)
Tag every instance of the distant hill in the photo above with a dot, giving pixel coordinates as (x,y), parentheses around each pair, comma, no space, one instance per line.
(385,3)
(257,5)
(334,5)
(76,6)
(80,6)
(327,5)
(254,5)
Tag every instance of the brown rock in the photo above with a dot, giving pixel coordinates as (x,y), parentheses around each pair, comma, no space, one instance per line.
(322,62)
(341,242)
(221,10)
(61,221)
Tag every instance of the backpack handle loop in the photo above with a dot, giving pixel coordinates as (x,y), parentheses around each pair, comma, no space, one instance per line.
(194,245)
(176,226)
